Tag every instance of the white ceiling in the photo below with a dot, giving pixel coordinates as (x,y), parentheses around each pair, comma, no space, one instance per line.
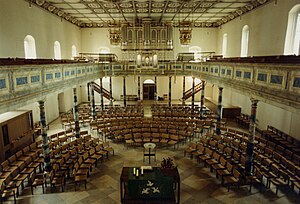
(104,13)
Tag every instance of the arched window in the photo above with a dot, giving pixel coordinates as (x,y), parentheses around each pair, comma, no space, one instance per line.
(29,47)
(74,51)
(197,52)
(245,41)
(292,38)
(224,46)
(104,50)
(57,50)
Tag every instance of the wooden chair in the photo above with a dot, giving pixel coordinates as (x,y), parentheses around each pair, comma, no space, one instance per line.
(234,180)
(108,148)
(57,179)
(214,160)
(78,178)
(225,172)
(37,180)
(192,147)
(6,193)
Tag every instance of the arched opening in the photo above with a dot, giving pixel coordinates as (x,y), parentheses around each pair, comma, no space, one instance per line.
(149,88)
(224,45)
(74,51)
(29,47)
(245,41)
(292,38)
(104,50)
(197,53)
(57,50)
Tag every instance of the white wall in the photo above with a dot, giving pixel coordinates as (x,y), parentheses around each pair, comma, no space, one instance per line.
(92,39)
(267,25)
(18,21)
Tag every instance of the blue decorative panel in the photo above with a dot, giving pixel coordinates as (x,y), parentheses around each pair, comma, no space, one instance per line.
(57,75)
(188,67)
(296,82)
(229,72)
(212,70)
(206,69)
(261,77)
(35,78)
(161,66)
(21,80)
(72,72)
(67,73)
(223,71)
(276,79)
(238,73)
(49,76)
(177,66)
(216,70)
(2,84)
(247,75)
(79,71)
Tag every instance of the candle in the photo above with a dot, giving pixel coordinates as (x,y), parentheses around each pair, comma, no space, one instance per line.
(137,172)
(142,171)
(133,171)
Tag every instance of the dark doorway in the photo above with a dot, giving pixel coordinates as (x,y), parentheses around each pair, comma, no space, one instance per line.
(148,91)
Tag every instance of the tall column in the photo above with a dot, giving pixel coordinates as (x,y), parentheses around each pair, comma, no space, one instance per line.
(124,90)
(93,102)
(170,89)
(183,91)
(110,91)
(193,95)
(45,145)
(155,88)
(218,131)
(88,91)
(250,144)
(139,88)
(101,94)
(202,101)
(77,128)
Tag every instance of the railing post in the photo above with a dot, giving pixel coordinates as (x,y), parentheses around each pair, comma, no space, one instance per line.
(101,94)
(110,91)
(250,144)
(139,88)
(45,145)
(77,128)
(183,91)
(93,102)
(155,88)
(124,90)
(88,92)
(218,130)
(202,101)
(170,89)
(193,96)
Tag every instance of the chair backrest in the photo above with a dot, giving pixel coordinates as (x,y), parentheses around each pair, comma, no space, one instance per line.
(223,161)
(236,174)
(229,167)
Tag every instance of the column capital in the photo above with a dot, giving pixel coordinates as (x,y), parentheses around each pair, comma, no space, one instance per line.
(253,100)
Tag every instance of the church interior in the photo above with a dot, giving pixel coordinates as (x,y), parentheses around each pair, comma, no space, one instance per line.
(149,101)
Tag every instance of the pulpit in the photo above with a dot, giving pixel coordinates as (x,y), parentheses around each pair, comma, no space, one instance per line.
(150,185)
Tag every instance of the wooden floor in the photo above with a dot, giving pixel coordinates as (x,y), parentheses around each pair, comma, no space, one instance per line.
(198,185)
